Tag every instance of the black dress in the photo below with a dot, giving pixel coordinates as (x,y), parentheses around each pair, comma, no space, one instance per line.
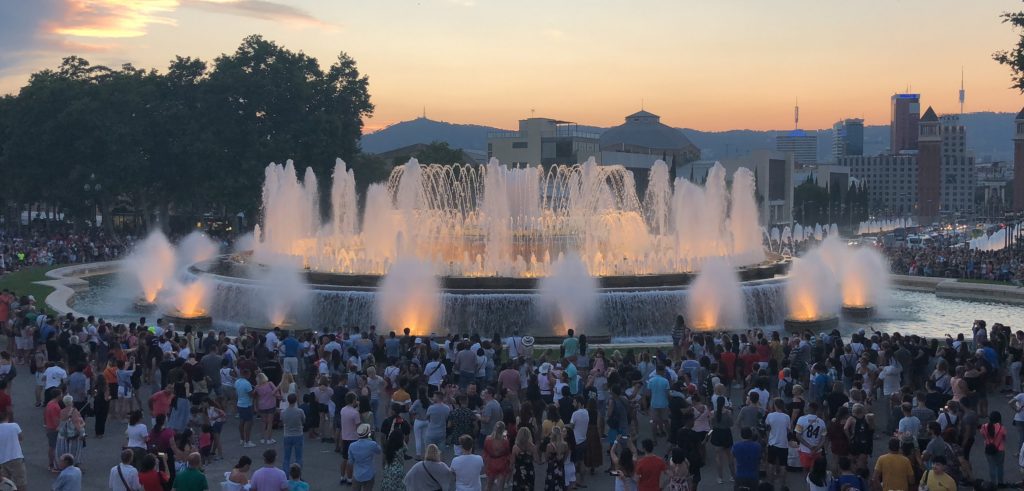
(555,478)
(522,477)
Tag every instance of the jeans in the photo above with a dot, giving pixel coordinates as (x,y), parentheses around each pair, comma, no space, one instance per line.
(466,378)
(995,466)
(292,443)
(419,431)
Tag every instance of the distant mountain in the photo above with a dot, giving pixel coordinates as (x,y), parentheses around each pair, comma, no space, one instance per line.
(989,135)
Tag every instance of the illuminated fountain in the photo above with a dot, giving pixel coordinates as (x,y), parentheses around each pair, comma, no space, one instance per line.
(715,299)
(812,294)
(150,267)
(409,297)
(569,300)
(865,282)
(188,303)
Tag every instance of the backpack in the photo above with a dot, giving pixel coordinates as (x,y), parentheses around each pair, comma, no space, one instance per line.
(787,387)
(849,367)
(709,385)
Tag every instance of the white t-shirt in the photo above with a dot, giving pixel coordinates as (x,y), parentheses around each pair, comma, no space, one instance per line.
(778,429)
(812,429)
(467,472)
(137,435)
(271,341)
(435,371)
(54,376)
(10,447)
(580,419)
(763,397)
(890,379)
(513,343)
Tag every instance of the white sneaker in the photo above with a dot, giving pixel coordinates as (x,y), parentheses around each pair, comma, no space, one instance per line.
(241,442)
(249,445)
(271,441)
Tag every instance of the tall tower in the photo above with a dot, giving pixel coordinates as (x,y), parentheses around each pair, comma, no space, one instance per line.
(929,168)
(962,93)
(1018,163)
(905,112)
(796,115)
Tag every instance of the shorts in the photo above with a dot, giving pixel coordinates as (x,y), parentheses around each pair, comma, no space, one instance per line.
(216,427)
(777,455)
(613,434)
(40,379)
(124,392)
(205,451)
(291,365)
(807,460)
(344,448)
(579,451)
(659,414)
(245,413)
(268,412)
(51,438)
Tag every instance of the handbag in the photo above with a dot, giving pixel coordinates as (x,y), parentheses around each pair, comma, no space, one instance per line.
(924,479)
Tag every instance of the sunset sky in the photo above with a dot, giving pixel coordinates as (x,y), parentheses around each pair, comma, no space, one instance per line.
(708,64)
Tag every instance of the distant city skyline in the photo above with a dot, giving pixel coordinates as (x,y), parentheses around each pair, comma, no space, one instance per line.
(710,66)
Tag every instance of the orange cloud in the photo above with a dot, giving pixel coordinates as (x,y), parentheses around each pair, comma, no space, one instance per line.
(112,18)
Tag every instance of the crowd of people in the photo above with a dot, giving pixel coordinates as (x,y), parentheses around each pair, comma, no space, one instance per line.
(38,248)
(875,411)
(943,260)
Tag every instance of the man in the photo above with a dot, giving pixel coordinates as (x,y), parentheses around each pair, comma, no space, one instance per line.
(465,365)
(571,346)
(435,373)
(12,460)
(467,466)
(514,346)
(243,395)
(580,420)
(490,414)
(6,406)
(291,419)
(211,363)
(362,453)
(78,387)
(54,375)
(748,459)
(350,422)
(936,446)
(291,347)
(810,432)
(160,402)
(778,423)
(392,348)
(269,477)
(438,416)
(192,478)
(51,419)
(508,379)
(123,476)
(658,386)
(893,471)
(70,477)
(936,478)
(650,468)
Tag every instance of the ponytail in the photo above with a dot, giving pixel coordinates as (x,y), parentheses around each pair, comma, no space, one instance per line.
(719,406)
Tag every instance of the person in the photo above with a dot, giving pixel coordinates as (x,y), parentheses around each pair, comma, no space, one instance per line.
(153,474)
(650,468)
(267,395)
(123,476)
(580,423)
(658,386)
(524,454)
(747,453)
(192,478)
(394,461)
(778,423)
(936,478)
(12,460)
(349,424)
(70,477)
(239,474)
(678,472)
(243,394)
(621,455)
(361,453)
(269,477)
(418,413)
(497,451)
(819,478)
(295,482)
(430,474)
(859,429)
(555,455)
(291,419)
(438,416)
(994,435)
(848,478)
(467,466)
(893,471)
(811,432)
(721,438)
(71,431)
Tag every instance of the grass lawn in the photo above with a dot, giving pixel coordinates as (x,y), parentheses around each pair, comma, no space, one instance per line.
(23,282)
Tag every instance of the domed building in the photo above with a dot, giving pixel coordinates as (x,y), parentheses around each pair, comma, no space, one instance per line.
(641,140)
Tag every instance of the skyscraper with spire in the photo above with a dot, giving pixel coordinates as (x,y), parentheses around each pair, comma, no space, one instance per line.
(802,145)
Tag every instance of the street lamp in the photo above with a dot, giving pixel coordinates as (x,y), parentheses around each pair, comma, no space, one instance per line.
(90,186)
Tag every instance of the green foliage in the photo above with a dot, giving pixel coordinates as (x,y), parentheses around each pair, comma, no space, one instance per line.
(194,138)
(437,152)
(1013,58)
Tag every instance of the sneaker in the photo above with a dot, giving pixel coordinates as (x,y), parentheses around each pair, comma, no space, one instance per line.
(721,481)
(271,441)
(262,441)
(241,443)
(249,445)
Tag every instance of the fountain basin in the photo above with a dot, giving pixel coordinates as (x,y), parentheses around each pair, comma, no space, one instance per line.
(859,312)
(197,321)
(143,306)
(814,325)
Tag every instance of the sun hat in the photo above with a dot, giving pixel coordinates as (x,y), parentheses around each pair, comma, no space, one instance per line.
(544,368)
(528,341)
(363,430)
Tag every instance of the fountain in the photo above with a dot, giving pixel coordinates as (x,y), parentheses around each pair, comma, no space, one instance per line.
(865,283)
(715,299)
(409,296)
(812,297)
(568,297)
(150,268)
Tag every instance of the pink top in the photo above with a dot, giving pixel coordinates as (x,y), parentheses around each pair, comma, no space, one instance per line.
(349,423)
(266,396)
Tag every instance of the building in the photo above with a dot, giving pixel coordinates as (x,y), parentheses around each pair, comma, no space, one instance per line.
(847,138)
(903,131)
(774,172)
(894,182)
(994,189)
(643,139)
(802,145)
(542,141)
(1018,163)
(834,177)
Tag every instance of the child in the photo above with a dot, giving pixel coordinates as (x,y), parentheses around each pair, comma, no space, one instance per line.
(206,443)
(296,483)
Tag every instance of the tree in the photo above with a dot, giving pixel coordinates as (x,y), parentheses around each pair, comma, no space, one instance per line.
(1013,58)
(437,152)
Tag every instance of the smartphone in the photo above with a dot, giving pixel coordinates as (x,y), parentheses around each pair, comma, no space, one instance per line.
(615,473)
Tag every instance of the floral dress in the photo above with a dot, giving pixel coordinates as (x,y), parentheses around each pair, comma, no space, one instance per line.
(522,476)
(394,473)
(555,478)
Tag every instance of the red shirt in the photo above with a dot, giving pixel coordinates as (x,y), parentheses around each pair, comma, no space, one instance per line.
(727,362)
(152,480)
(649,468)
(161,402)
(51,415)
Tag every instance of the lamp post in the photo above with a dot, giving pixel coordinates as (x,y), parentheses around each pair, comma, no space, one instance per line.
(91,185)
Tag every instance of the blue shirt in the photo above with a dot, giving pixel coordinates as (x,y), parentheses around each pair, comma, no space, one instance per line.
(291,347)
(244,391)
(659,392)
(990,356)
(748,459)
(69,479)
(361,453)
(392,347)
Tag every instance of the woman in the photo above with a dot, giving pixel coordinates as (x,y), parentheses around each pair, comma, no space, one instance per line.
(819,479)
(153,475)
(555,453)
(394,462)
(429,475)
(547,427)
(839,442)
(497,458)
(101,404)
(994,434)
(524,454)
(267,395)
(70,430)
(182,449)
(721,438)
(162,440)
(593,453)
(622,461)
(374,387)
(239,475)
(216,417)
(181,410)
(136,437)
(418,413)
(860,430)
(287,387)
(678,471)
